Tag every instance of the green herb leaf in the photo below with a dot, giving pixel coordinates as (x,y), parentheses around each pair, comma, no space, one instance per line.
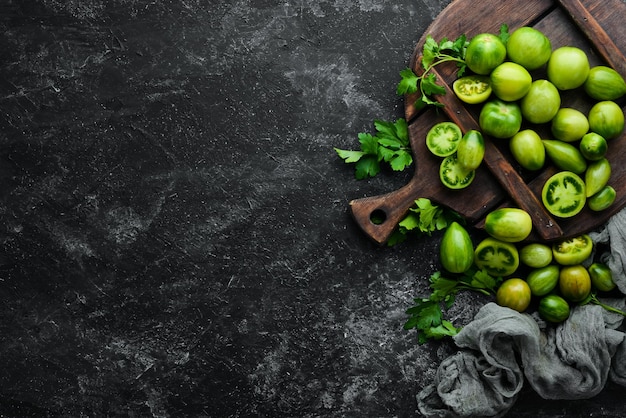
(401,160)
(504,33)
(349,156)
(369,144)
(427,315)
(408,82)
(445,329)
(367,166)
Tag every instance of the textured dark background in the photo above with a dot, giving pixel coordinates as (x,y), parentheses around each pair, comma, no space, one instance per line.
(175,238)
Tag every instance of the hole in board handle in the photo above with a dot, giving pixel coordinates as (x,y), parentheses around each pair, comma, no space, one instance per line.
(378,217)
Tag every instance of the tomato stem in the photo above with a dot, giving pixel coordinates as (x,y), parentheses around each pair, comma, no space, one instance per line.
(594,299)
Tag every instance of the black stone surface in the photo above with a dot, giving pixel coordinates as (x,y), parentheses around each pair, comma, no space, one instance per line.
(175,238)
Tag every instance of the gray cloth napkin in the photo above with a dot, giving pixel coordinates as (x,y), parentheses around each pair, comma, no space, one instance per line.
(500,350)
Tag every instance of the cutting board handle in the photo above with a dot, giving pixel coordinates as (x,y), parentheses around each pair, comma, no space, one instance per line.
(379,215)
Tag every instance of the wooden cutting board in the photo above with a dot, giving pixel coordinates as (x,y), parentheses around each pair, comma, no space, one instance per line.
(595,26)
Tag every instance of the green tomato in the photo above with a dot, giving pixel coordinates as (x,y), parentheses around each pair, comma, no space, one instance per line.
(541,103)
(453,175)
(572,251)
(443,138)
(528,150)
(565,156)
(563,194)
(510,81)
(606,118)
(543,280)
(575,283)
(569,124)
(472,89)
(508,224)
(496,257)
(514,293)
(604,83)
(568,67)
(593,146)
(553,308)
(601,277)
(456,251)
(484,52)
(500,119)
(603,199)
(471,150)
(529,47)
(597,176)
(536,255)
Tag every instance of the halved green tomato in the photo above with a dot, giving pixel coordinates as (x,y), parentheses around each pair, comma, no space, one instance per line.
(496,257)
(563,194)
(572,251)
(453,175)
(443,138)
(472,89)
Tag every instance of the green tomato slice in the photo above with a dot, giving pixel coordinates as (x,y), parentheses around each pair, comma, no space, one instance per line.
(453,175)
(472,89)
(443,138)
(496,257)
(572,251)
(564,195)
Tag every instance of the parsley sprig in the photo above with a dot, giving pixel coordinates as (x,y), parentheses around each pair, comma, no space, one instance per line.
(593,299)
(427,315)
(433,54)
(390,144)
(423,217)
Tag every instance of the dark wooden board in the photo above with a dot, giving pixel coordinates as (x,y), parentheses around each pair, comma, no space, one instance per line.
(595,27)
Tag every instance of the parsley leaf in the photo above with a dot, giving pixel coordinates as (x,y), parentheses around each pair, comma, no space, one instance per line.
(504,33)
(426,316)
(424,217)
(408,83)
(390,144)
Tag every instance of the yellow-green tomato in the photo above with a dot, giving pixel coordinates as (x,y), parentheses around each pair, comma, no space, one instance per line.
(471,150)
(606,118)
(569,124)
(536,255)
(572,251)
(575,283)
(597,176)
(568,67)
(601,277)
(528,150)
(510,81)
(604,83)
(543,280)
(529,47)
(456,251)
(508,224)
(541,103)
(514,293)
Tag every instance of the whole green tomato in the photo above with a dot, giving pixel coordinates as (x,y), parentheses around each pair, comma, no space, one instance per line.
(500,119)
